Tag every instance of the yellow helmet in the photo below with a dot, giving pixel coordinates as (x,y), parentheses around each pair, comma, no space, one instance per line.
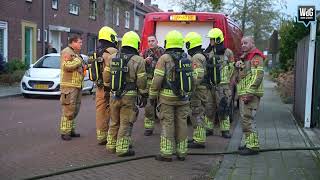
(216,34)
(108,34)
(193,40)
(174,39)
(131,39)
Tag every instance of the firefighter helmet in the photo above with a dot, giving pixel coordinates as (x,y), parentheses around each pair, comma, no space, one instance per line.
(174,39)
(216,34)
(193,40)
(108,34)
(131,39)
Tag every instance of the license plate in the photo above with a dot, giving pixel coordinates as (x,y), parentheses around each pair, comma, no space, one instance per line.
(183,17)
(41,86)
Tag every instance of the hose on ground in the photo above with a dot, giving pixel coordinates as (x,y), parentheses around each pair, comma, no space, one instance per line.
(151,156)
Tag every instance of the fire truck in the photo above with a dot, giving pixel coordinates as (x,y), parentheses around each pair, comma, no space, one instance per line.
(159,23)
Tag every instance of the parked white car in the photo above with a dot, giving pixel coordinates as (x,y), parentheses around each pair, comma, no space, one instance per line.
(43,77)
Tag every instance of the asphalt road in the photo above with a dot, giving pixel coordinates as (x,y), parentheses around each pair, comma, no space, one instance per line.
(30,145)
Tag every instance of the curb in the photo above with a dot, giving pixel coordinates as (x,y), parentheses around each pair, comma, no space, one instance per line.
(10,95)
(306,138)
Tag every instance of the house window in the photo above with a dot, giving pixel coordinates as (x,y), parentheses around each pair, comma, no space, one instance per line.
(93,9)
(38,34)
(74,9)
(92,43)
(127,23)
(117,16)
(136,22)
(4,40)
(45,35)
(54,4)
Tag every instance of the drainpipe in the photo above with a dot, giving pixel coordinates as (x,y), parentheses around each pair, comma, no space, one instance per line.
(43,26)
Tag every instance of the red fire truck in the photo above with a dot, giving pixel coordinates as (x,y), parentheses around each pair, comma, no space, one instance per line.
(159,23)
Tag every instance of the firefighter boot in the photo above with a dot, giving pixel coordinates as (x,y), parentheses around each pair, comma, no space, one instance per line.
(195,145)
(247,151)
(209,132)
(226,134)
(161,158)
(129,153)
(181,158)
(66,137)
(148,132)
(74,134)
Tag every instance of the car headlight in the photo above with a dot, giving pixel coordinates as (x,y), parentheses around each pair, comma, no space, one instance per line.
(27,73)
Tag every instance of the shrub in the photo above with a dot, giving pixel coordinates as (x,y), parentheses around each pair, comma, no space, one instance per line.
(11,78)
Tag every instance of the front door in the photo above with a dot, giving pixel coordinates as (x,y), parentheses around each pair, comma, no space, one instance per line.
(28,46)
(55,39)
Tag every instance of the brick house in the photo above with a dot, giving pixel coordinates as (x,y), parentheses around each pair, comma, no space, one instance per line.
(21,23)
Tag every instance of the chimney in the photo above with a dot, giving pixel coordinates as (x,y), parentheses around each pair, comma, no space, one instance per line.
(155,5)
(147,2)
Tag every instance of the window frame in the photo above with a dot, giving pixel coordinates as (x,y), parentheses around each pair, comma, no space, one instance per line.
(72,5)
(127,20)
(57,5)
(93,10)
(118,16)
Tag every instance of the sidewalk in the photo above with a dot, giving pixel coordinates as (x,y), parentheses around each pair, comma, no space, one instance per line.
(276,128)
(12,90)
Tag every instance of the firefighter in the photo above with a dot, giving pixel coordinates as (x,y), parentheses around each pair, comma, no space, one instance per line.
(172,83)
(125,75)
(72,74)
(108,42)
(151,56)
(193,43)
(220,94)
(250,90)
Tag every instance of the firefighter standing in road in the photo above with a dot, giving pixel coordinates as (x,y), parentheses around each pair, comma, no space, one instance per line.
(193,43)
(72,74)
(220,94)
(250,90)
(108,42)
(125,75)
(151,56)
(172,82)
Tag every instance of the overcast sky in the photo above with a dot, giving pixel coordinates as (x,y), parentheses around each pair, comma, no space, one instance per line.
(292,5)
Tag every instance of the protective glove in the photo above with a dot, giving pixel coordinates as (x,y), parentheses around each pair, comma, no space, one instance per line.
(247,99)
(143,102)
(152,102)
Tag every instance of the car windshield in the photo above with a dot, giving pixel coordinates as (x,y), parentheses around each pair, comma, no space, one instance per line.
(48,62)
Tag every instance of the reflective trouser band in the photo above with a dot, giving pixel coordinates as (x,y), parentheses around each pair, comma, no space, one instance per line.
(225,124)
(111,144)
(208,123)
(65,125)
(148,124)
(73,124)
(102,135)
(182,147)
(252,140)
(153,93)
(199,134)
(166,146)
(122,145)
(167,93)
(131,93)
